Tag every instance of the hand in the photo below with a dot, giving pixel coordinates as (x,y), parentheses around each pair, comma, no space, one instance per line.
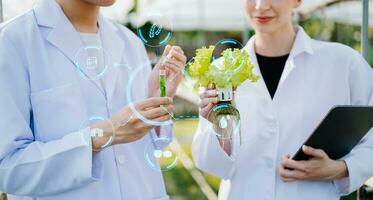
(128,127)
(173,61)
(209,98)
(320,167)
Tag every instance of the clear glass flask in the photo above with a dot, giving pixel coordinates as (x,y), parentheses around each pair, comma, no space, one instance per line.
(226,121)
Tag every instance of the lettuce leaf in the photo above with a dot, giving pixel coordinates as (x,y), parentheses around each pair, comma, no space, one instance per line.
(236,68)
(202,62)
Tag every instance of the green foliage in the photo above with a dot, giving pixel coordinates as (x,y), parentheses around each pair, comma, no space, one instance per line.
(236,68)
(180,184)
(199,68)
(352,196)
(2,196)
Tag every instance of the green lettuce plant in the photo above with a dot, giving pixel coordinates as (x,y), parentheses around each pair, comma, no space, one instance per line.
(235,68)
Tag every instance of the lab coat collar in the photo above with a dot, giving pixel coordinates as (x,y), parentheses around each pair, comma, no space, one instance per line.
(63,34)
(302,44)
(115,46)
(47,13)
(64,37)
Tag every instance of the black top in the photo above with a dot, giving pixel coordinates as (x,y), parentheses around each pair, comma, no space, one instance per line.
(271,69)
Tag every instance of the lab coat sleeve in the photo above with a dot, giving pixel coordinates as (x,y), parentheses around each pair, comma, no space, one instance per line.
(207,153)
(164,138)
(29,167)
(359,161)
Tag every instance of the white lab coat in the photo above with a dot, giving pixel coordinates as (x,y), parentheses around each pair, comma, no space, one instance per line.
(317,76)
(44,101)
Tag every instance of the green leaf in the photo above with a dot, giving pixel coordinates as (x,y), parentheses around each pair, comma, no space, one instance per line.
(236,68)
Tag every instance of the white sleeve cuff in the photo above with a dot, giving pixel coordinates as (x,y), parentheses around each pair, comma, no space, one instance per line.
(96,159)
(208,154)
(96,166)
(344,186)
(164,138)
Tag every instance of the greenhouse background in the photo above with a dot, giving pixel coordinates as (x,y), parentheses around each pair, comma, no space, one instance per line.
(196,23)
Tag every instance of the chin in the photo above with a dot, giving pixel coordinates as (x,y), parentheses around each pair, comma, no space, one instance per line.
(267,29)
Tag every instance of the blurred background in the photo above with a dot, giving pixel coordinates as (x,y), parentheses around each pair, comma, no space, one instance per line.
(192,24)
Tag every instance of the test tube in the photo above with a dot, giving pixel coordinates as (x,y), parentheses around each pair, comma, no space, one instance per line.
(163,93)
(162,83)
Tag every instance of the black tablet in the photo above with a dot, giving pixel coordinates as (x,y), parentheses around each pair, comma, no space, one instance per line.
(340,131)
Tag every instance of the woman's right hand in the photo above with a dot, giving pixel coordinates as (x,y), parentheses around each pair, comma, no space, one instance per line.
(128,127)
(209,98)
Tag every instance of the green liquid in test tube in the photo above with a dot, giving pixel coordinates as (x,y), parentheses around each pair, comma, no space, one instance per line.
(162,83)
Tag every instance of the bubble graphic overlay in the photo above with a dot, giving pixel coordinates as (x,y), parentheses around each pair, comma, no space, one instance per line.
(157,32)
(92,62)
(222,123)
(136,74)
(88,133)
(160,159)
(223,45)
(216,54)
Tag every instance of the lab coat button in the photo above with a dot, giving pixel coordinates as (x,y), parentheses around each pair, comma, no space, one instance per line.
(120,159)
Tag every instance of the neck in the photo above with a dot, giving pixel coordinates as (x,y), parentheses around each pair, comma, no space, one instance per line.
(274,44)
(81,14)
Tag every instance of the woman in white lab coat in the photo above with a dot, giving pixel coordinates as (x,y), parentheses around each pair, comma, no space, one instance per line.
(301,80)
(49,106)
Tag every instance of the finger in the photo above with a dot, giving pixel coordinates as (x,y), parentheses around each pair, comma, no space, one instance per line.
(284,157)
(294,175)
(175,79)
(173,67)
(291,174)
(162,118)
(318,153)
(180,65)
(204,102)
(205,111)
(178,48)
(169,109)
(282,172)
(211,86)
(208,93)
(166,50)
(147,126)
(287,180)
(212,93)
(295,165)
(153,102)
(163,106)
(157,112)
(178,56)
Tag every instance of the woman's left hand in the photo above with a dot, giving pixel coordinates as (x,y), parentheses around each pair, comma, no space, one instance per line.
(173,61)
(320,167)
